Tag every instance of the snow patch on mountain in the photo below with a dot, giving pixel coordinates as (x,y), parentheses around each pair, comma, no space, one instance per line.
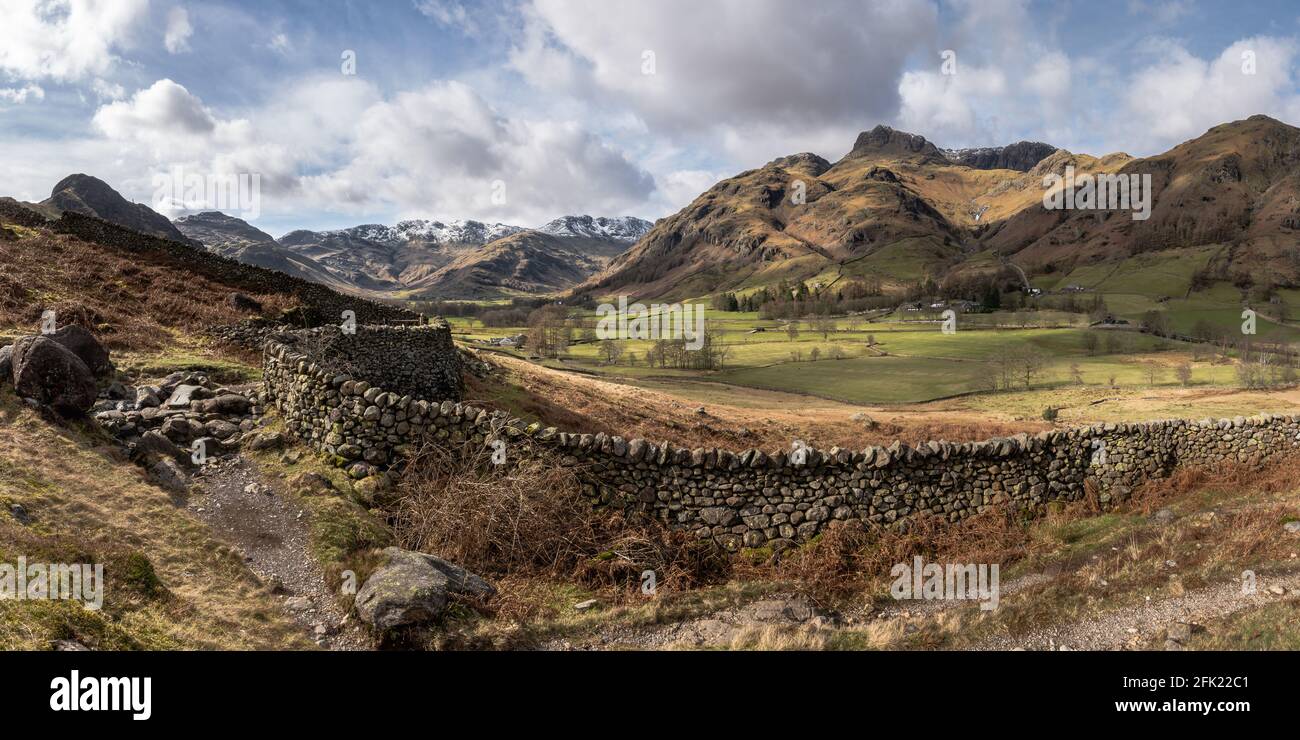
(623,228)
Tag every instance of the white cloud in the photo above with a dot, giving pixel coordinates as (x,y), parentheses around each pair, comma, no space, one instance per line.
(1179,96)
(165,110)
(179,30)
(105,90)
(332,144)
(19,95)
(745,65)
(943,107)
(65,40)
(450,13)
(442,149)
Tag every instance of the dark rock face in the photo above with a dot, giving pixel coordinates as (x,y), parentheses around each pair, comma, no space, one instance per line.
(1021,156)
(6,362)
(80,342)
(47,371)
(885,140)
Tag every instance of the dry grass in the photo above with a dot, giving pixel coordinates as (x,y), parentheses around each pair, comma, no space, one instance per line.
(86,502)
(532,520)
(129,305)
(846,561)
(576,402)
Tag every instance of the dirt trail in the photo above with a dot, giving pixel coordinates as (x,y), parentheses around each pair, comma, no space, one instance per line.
(1134,626)
(249,511)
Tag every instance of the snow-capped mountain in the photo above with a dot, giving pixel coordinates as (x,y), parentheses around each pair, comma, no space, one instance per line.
(410,255)
(436,232)
(623,228)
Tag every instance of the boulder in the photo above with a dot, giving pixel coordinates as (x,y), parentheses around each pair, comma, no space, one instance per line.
(265,441)
(185,394)
(181,430)
(169,384)
(80,342)
(225,403)
(169,475)
(6,362)
(48,372)
(146,396)
(412,587)
(221,429)
(241,302)
(153,445)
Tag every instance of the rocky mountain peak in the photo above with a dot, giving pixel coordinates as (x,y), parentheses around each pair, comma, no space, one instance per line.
(91,196)
(885,140)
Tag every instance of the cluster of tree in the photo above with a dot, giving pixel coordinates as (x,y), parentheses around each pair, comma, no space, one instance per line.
(1017,366)
(712,353)
(795,300)
(514,313)
(1261,368)
(549,331)
(1109,342)
(834,352)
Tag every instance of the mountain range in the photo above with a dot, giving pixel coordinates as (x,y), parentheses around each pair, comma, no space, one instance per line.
(901,210)
(421,259)
(896,208)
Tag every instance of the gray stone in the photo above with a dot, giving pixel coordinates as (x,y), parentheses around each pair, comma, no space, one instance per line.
(184,395)
(47,372)
(412,587)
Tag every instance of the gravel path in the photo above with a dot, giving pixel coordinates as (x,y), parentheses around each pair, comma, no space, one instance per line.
(1135,626)
(250,512)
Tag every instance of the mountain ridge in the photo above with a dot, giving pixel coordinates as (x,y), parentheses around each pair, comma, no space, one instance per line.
(901,210)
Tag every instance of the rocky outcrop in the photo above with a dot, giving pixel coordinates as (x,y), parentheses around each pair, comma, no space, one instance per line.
(886,141)
(1021,156)
(184,421)
(48,373)
(804,162)
(411,588)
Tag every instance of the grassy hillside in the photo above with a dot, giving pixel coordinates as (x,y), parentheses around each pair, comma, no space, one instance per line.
(170,584)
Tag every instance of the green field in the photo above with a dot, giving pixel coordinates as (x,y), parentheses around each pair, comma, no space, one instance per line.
(895,361)
(903,356)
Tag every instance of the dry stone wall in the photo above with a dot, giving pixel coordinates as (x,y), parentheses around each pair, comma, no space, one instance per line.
(753,498)
(361,397)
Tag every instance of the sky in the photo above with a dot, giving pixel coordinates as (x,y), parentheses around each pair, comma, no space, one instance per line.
(520,111)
